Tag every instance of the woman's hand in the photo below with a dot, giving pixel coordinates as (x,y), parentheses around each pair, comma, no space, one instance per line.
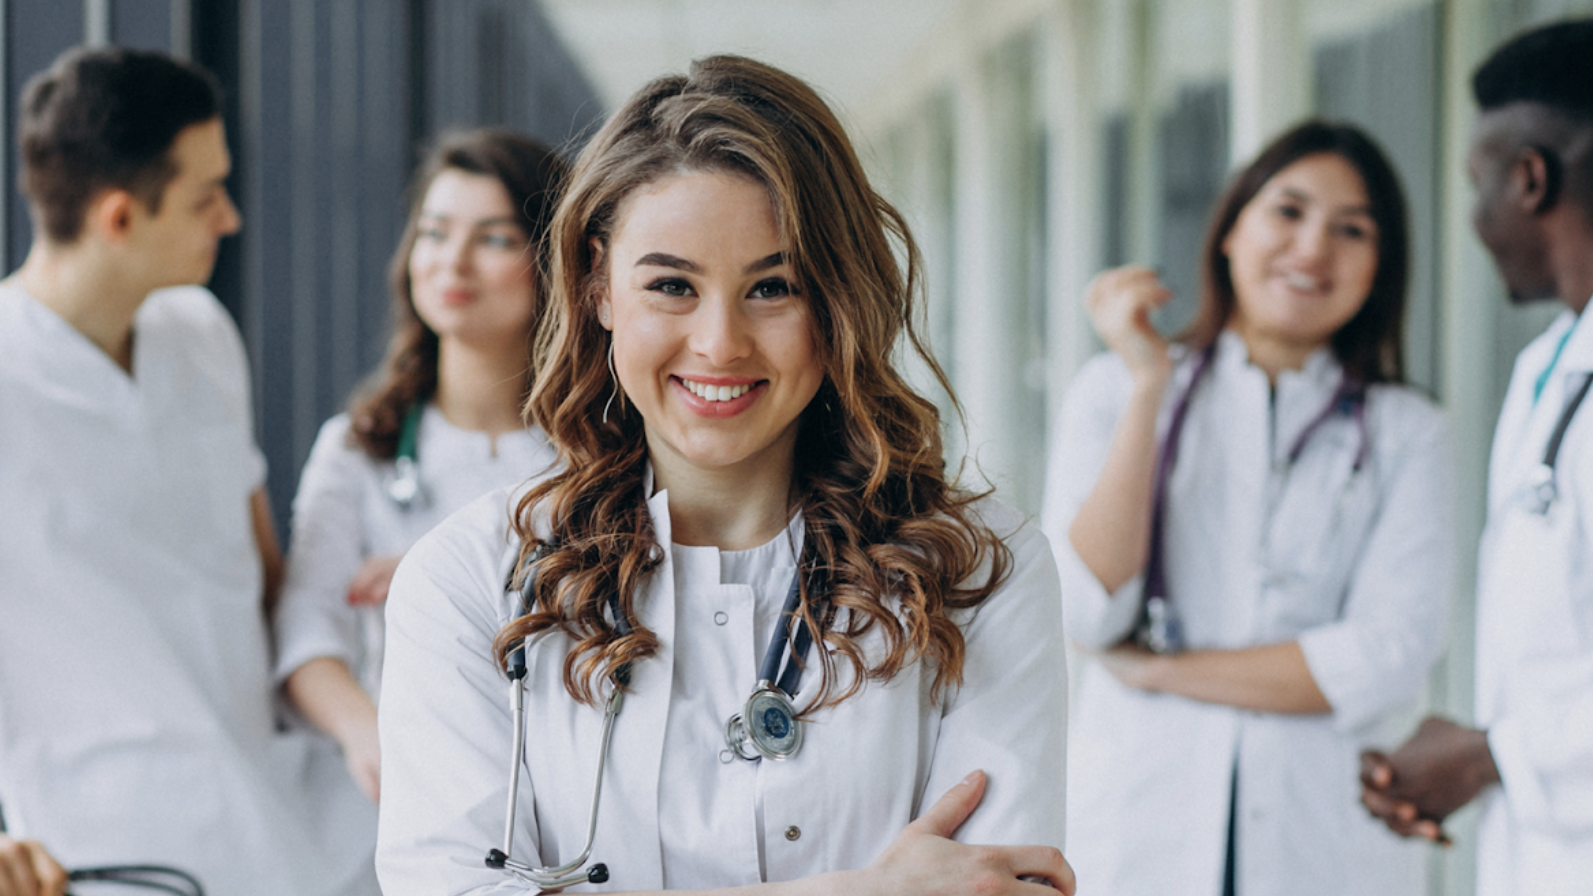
(370,584)
(27,870)
(327,694)
(1129,664)
(924,860)
(1120,302)
(364,756)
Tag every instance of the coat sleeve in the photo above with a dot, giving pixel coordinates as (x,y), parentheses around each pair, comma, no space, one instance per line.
(1090,413)
(1009,717)
(328,546)
(1376,655)
(445,721)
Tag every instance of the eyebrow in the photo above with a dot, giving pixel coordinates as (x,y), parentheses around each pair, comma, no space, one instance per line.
(1350,209)
(665,260)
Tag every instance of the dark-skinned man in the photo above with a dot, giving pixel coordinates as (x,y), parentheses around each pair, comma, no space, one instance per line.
(1530,760)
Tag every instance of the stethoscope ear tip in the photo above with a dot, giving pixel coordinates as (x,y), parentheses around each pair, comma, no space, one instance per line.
(598,874)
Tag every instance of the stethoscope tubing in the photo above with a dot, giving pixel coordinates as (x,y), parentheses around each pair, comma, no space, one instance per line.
(1165,633)
(1546,489)
(769,673)
(569,873)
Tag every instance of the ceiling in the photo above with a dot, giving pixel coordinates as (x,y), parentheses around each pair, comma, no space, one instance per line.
(846,48)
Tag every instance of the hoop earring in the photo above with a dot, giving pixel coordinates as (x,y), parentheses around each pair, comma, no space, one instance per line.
(613,376)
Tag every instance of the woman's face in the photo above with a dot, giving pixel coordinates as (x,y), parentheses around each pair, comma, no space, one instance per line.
(711,344)
(469,271)
(1302,254)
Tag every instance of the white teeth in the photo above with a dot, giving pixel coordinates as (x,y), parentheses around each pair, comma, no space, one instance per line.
(709,392)
(1303,282)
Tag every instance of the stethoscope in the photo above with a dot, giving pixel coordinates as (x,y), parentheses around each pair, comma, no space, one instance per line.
(404,486)
(1544,489)
(766,728)
(1160,630)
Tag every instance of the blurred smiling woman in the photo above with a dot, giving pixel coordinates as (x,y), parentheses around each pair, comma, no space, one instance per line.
(745,481)
(437,426)
(1261,512)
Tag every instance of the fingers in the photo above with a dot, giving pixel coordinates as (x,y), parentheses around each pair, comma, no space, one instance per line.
(1043,865)
(951,810)
(51,876)
(1120,303)
(369,586)
(1402,817)
(26,869)
(1376,771)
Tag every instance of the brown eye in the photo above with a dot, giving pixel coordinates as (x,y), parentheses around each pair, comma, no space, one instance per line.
(772,288)
(670,286)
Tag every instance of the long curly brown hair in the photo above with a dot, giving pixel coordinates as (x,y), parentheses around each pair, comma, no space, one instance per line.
(532,174)
(891,546)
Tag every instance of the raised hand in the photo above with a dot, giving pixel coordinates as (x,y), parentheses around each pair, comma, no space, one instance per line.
(1120,302)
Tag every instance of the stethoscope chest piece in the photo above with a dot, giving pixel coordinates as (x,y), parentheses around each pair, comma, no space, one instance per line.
(1541,492)
(404,485)
(1161,630)
(767,728)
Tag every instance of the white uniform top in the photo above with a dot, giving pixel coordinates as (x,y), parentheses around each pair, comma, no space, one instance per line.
(342,516)
(1355,567)
(136,721)
(673,813)
(1535,635)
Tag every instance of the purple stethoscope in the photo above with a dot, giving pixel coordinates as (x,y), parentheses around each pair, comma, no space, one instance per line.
(1159,629)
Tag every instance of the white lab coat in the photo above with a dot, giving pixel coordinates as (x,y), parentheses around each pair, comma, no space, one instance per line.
(1535,636)
(342,516)
(865,769)
(136,715)
(1356,568)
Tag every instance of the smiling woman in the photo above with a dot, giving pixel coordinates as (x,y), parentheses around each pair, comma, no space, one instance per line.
(1253,542)
(749,468)
(438,425)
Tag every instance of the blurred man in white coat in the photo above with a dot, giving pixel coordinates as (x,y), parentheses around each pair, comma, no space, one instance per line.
(1530,760)
(136,552)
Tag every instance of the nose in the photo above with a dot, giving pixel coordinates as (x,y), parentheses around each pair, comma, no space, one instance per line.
(1313,240)
(230,220)
(459,251)
(719,333)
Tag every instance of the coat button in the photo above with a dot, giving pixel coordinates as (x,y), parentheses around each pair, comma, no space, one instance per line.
(793,833)
(720,618)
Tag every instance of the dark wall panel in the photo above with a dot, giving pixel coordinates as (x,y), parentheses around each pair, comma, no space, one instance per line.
(501,62)
(35,33)
(141,23)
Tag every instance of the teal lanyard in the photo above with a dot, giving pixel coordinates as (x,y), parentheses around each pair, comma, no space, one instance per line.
(411,431)
(1543,378)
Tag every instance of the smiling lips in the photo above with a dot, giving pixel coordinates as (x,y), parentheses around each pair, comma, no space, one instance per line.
(711,392)
(720,399)
(1304,282)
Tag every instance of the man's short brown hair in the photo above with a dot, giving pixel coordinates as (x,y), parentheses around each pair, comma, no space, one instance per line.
(106,118)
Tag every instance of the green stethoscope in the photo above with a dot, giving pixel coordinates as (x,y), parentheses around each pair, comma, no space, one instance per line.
(404,486)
